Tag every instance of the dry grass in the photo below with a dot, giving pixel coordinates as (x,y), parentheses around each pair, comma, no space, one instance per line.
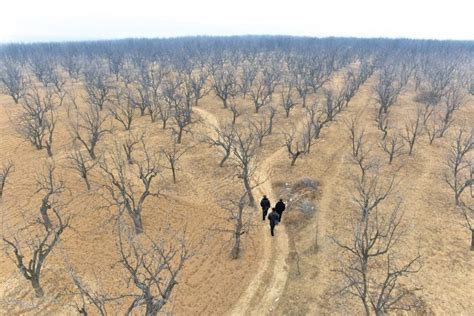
(211,282)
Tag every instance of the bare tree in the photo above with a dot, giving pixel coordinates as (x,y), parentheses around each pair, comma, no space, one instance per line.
(150,79)
(122,108)
(51,187)
(260,94)
(92,123)
(382,123)
(12,79)
(287,101)
(387,89)
(39,247)
(5,171)
(351,85)
(235,111)
(164,111)
(271,116)
(239,218)
(319,72)
(197,84)
(356,135)
(371,269)
(81,164)
(249,73)
(245,150)
(98,299)
(140,98)
(271,75)
(153,269)
(458,176)
(308,135)
(429,104)
(50,126)
(116,62)
(129,145)
(333,105)
(223,139)
(42,66)
(433,127)
(296,147)
(98,87)
(392,146)
(37,121)
(172,156)
(181,107)
(182,115)
(453,100)
(260,129)
(59,86)
(122,183)
(412,130)
(438,76)
(224,84)
(314,116)
(72,64)
(43,234)
(302,84)
(468,214)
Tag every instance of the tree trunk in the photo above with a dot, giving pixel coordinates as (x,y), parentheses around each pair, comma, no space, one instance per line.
(49,149)
(270,126)
(92,153)
(137,221)
(173,170)
(221,164)
(472,240)
(293,160)
(180,134)
(151,309)
(86,180)
(236,249)
(43,210)
(37,287)
(249,191)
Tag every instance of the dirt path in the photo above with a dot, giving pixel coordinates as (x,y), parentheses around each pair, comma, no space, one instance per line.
(262,294)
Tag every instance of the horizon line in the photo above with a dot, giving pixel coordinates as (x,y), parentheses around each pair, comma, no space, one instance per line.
(86,40)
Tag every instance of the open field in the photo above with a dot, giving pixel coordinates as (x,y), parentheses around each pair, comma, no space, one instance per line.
(297,272)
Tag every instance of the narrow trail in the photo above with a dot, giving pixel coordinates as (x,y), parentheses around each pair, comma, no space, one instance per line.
(262,294)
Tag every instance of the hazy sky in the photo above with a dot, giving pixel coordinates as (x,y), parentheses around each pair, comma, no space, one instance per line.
(53,20)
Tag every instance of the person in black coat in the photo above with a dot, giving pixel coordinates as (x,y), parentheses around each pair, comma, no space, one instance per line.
(265,204)
(280,208)
(274,218)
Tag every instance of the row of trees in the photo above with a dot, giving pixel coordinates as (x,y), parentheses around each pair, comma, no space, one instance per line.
(165,80)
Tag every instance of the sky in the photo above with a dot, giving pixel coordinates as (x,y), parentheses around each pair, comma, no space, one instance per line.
(63,20)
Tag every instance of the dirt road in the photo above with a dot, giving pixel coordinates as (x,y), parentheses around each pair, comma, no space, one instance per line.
(262,294)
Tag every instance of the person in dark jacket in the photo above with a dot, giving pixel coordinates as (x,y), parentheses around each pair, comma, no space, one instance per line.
(265,204)
(280,208)
(274,219)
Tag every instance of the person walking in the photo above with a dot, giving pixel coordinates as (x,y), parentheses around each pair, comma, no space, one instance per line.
(280,208)
(274,218)
(265,204)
